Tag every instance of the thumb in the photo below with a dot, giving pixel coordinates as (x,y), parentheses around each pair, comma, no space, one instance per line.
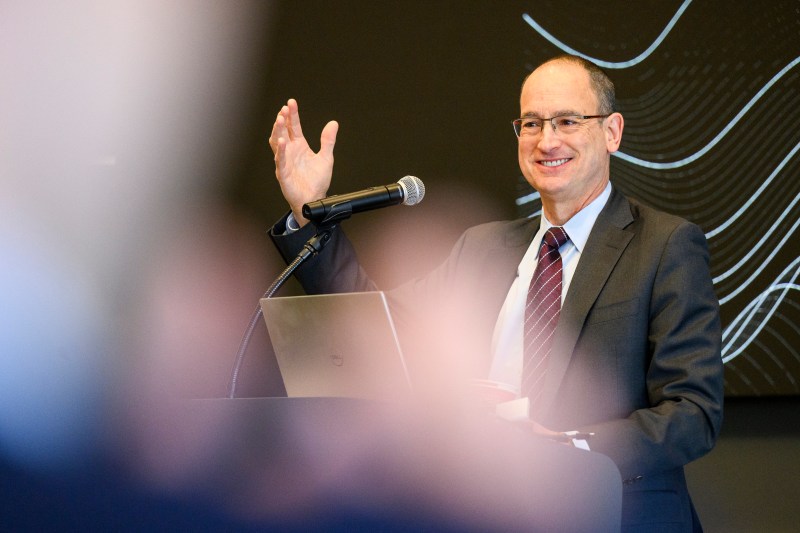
(328,138)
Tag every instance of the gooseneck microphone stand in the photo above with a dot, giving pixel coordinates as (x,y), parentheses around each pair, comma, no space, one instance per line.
(311,248)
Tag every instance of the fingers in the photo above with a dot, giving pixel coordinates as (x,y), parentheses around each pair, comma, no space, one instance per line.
(280,160)
(290,148)
(287,124)
(543,431)
(278,131)
(292,119)
(328,138)
(277,140)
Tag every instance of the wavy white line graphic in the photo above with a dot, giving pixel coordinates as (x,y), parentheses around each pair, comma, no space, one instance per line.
(609,64)
(697,155)
(739,212)
(746,327)
(722,227)
(528,198)
(788,233)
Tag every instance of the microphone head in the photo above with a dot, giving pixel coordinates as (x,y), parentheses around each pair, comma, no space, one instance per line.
(413,189)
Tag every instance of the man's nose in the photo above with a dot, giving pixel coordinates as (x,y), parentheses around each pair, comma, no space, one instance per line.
(549,136)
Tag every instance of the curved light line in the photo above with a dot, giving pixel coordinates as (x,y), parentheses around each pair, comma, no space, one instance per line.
(527,198)
(749,202)
(757,271)
(697,155)
(744,378)
(609,64)
(772,229)
(741,321)
(747,314)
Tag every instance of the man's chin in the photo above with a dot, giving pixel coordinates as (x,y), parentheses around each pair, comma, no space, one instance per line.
(551,186)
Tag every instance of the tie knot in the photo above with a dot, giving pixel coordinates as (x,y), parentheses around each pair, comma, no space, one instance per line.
(555,237)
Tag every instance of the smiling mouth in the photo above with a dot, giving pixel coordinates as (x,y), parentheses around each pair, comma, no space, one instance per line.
(554,162)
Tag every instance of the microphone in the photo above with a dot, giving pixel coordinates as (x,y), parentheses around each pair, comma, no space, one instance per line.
(409,190)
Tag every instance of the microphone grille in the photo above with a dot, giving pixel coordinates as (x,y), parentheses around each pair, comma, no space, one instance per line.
(413,188)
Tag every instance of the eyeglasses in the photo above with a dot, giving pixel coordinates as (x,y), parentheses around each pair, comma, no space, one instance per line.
(563,124)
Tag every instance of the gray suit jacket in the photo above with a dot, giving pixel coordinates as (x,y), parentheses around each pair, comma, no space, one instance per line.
(636,356)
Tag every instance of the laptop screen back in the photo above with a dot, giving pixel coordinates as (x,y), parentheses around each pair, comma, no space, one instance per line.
(341,345)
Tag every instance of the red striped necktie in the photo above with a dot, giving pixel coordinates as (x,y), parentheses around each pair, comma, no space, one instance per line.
(541,313)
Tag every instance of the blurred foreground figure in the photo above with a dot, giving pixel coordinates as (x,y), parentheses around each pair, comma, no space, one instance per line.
(114,118)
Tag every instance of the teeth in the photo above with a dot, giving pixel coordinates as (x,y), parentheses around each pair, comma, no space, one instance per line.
(554,163)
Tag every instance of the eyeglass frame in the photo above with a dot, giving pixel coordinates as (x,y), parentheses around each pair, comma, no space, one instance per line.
(551,121)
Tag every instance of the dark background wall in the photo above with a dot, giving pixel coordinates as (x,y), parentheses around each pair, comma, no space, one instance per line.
(415,91)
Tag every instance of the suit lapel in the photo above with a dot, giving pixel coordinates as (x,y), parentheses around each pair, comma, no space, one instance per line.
(607,240)
(505,255)
(515,244)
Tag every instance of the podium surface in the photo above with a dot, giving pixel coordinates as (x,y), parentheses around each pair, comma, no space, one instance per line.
(328,462)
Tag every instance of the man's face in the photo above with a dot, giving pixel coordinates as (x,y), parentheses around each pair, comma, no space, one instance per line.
(566,168)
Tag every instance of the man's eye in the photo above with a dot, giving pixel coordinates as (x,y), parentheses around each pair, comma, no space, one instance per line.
(567,122)
(531,124)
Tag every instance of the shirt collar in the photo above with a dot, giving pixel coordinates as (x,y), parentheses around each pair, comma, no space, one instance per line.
(580,225)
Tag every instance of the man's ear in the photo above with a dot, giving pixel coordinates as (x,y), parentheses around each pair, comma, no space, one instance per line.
(614,124)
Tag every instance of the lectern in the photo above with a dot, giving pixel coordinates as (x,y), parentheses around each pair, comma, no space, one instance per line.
(338,463)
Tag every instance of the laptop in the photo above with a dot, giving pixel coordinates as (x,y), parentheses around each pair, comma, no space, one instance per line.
(337,345)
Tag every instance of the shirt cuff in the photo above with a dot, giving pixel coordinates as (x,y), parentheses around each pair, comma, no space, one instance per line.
(579,440)
(291,224)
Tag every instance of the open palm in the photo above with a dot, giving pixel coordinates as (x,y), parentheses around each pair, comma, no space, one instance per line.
(303,175)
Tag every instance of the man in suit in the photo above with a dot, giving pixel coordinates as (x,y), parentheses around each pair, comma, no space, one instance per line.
(635,355)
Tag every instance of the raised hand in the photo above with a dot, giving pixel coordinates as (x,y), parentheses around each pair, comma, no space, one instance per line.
(303,175)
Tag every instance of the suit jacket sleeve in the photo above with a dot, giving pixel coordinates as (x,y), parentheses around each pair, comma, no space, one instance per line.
(335,270)
(680,417)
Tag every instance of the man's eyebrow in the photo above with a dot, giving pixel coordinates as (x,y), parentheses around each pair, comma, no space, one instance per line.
(531,114)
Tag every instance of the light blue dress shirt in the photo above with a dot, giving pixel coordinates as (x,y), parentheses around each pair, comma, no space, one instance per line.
(507,339)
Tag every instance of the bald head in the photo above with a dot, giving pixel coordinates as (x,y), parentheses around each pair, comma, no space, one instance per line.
(601,85)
